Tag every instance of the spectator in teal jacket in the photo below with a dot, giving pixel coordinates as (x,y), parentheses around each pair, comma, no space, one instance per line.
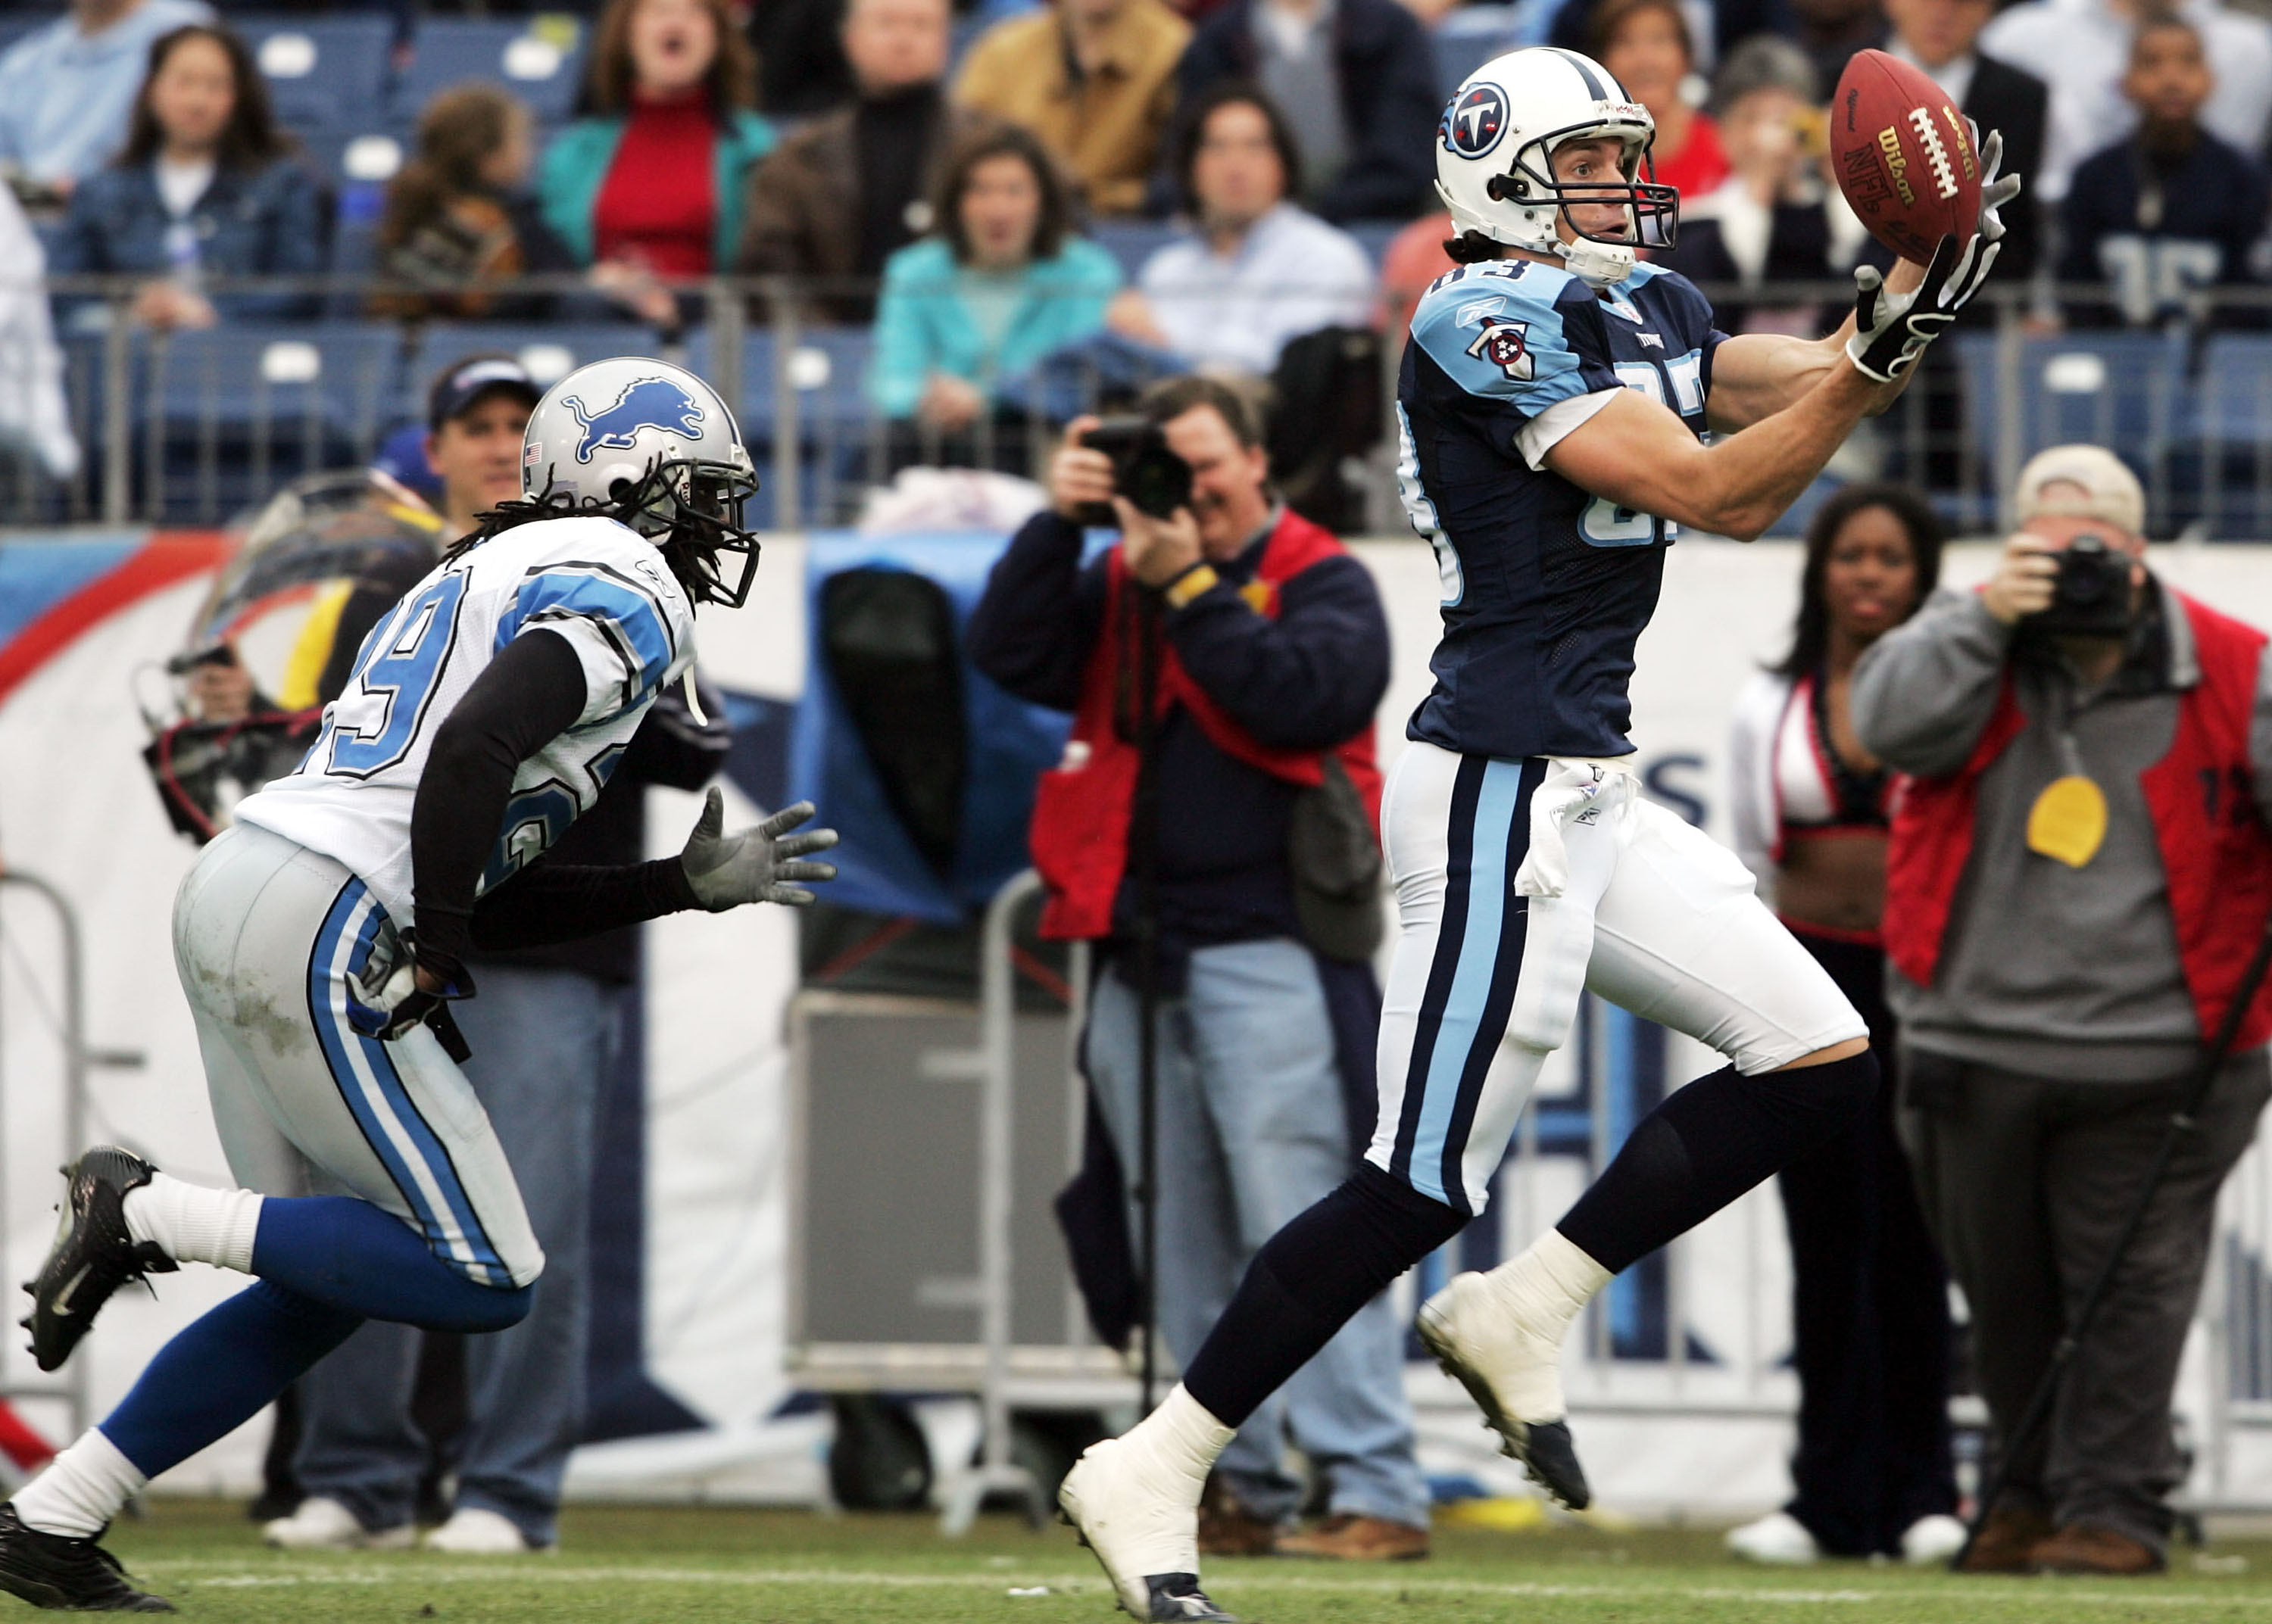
(647,189)
(1001,283)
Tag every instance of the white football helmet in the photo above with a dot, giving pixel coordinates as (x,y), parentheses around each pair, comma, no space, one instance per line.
(658,448)
(1494,161)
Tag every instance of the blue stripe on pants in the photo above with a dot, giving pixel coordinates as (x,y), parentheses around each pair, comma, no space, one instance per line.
(1471,983)
(404,1142)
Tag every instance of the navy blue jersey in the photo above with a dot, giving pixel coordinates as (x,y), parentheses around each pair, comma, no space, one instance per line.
(1546,587)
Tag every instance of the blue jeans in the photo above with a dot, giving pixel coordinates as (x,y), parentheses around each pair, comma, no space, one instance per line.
(1252,1131)
(542,1042)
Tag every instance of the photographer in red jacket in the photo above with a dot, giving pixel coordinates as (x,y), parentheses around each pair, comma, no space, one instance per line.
(1268,654)
(2079,871)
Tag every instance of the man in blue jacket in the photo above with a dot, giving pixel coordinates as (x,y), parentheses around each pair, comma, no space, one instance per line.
(1273,656)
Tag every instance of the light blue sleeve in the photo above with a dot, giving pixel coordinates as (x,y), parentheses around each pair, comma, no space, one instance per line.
(620,632)
(1522,348)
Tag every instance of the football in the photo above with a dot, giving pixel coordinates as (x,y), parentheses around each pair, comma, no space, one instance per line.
(1904,156)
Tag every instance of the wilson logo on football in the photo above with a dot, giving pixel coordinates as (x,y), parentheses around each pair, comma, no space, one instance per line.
(1503,345)
(1896,162)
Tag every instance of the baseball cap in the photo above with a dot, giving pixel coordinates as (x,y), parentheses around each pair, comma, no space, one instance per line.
(463,381)
(2106,488)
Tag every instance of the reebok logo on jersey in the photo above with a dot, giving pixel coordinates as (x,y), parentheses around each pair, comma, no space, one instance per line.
(1619,307)
(1503,344)
(645,403)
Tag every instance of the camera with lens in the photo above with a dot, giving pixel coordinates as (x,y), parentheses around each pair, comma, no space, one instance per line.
(1155,480)
(2090,595)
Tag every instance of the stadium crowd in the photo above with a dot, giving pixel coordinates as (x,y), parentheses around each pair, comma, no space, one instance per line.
(996,191)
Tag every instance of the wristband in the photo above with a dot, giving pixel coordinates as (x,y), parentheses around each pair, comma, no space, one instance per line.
(1197,579)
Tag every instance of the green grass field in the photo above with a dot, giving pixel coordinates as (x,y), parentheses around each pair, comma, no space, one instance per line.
(686,1566)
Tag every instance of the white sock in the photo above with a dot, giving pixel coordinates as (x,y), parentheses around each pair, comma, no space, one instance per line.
(1547,1285)
(194,1224)
(1177,1444)
(81,1490)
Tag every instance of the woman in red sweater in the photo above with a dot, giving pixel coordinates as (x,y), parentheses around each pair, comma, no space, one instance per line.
(647,189)
(1646,46)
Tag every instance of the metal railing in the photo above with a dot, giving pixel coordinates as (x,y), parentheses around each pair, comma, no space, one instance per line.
(55,1002)
(193,427)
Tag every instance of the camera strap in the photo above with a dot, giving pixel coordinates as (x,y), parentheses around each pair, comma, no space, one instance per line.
(2068,821)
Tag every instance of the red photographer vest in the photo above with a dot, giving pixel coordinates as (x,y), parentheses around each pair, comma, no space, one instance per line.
(2215,852)
(1080,832)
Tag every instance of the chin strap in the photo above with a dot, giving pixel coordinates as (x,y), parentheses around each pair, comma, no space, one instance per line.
(1598,265)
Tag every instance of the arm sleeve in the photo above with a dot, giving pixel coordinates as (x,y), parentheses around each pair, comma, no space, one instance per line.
(1306,680)
(545,904)
(1036,623)
(1924,690)
(529,695)
(1514,357)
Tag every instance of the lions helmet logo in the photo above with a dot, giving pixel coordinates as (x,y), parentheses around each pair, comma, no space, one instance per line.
(1474,121)
(1502,344)
(645,403)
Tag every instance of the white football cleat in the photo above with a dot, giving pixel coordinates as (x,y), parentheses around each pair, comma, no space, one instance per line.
(1781,1540)
(1932,1541)
(1145,1538)
(1480,1341)
(476,1530)
(321,1524)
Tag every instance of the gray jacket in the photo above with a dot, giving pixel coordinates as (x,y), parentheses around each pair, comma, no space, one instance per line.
(2048,971)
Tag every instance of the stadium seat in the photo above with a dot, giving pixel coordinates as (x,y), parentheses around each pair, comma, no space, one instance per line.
(549,351)
(542,62)
(1132,242)
(1469,36)
(223,415)
(323,72)
(2126,391)
(2233,403)
(827,369)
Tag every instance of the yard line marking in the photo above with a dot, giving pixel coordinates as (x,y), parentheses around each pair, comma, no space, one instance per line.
(417,1571)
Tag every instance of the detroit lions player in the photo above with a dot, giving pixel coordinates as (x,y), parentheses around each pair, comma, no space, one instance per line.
(321,941)
(1552,406)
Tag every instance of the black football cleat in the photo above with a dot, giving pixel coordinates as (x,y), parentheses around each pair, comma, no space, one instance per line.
(1458,1326)
(66,1575)
(94,1253)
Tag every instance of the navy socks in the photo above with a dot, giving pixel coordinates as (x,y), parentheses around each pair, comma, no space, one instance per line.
(1707,1144)
(1307,1281)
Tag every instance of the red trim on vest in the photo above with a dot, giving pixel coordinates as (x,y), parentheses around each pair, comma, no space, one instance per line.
(1080,832)
(2216,851)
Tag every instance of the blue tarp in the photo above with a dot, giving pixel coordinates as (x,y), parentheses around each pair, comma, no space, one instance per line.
(1011,743)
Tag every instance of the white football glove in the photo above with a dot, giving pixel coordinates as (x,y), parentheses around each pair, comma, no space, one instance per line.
(1891,330)
(754,865)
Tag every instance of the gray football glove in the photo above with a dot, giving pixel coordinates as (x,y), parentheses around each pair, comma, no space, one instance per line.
(753,865)
(1891,330)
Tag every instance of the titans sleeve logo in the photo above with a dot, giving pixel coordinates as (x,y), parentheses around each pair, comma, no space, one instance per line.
(1502,344)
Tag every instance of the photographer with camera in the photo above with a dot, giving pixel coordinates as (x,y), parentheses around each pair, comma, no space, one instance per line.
(2078,873)
(1221,849)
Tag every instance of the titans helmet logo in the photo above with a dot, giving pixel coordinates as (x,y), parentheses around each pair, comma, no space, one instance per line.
(1474,122)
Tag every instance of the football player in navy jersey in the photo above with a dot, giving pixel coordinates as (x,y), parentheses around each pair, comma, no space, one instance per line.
(1551,411)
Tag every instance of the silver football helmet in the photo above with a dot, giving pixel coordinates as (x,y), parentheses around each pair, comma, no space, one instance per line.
(658,448)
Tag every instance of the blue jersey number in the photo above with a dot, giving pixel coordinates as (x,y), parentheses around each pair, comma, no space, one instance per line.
(1421,512)
(398,667)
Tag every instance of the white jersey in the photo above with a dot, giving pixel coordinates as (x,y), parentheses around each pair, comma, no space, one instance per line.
(590,580)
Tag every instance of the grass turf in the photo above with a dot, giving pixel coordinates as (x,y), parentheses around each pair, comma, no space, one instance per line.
(691,1565)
